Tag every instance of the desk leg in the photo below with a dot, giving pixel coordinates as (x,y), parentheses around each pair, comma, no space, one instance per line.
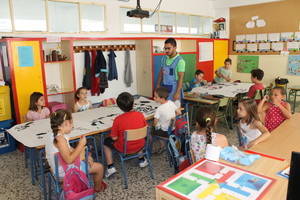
(42,173)
(32,163)
(295,97)
(102,148)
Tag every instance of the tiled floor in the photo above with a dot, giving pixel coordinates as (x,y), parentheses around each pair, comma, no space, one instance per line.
(15,182)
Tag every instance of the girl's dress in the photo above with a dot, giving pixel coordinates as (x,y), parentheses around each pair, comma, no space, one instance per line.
(83,107)
(198,144)
(248,134)
(274,116)
(34,115)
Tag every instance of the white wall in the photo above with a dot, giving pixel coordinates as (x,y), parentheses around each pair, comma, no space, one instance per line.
(115,87)
(236,3)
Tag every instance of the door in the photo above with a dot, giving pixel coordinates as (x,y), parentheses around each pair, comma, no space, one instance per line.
(27,74)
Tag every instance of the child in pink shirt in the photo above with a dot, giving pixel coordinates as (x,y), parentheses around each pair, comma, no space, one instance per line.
(275,111)
(37,109)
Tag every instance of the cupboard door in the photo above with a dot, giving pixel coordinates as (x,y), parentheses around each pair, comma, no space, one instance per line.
(27,74)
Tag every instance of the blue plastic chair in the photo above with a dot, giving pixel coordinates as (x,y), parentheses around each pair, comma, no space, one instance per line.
(132,135)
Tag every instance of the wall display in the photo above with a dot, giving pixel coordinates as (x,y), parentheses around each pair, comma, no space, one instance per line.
(251,37)
(262,37)
(286,36)
(264,47)
(274,37)
(246,64)
(252,47)
(294,65)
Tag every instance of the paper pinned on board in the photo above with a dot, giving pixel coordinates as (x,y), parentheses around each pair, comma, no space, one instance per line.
(252,47)
(277,46)
(206,51)
(286,36)
(251,37)
(274,37)
(293,46)
(264,46)
(240,38)
(240,47)
(297,36)
(262,37)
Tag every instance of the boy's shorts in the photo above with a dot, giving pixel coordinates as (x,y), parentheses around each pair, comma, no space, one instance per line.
(161,133)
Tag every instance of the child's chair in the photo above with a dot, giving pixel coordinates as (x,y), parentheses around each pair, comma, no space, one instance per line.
(132,135)
(223,110)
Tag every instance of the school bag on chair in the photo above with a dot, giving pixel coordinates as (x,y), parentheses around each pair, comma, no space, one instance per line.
(76,184)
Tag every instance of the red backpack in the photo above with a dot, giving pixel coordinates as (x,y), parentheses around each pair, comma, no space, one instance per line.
(76,184)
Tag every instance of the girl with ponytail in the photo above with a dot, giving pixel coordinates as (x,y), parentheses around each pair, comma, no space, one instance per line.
(205,121)
(61,125)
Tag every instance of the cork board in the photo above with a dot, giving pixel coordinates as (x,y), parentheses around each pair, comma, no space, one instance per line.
(282,16)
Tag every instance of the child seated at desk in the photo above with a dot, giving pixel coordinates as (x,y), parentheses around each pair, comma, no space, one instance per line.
(256,78)
(205,121)
(273,109)
(165,112)
(198,80)
(130,119)
(252,131)
(37,109)
(81,101)
(62,125)
(223,74)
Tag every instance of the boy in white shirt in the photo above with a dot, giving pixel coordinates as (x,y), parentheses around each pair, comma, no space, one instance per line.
(164,113)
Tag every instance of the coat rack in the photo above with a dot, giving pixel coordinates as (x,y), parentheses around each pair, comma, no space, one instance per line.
(78,49)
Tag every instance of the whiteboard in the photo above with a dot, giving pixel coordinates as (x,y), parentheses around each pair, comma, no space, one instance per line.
(206,51)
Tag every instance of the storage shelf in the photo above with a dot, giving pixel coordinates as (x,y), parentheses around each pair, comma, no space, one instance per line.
(62,61)
(60,92)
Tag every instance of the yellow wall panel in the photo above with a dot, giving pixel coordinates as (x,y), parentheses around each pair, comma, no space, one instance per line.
(220,53)
(28,79)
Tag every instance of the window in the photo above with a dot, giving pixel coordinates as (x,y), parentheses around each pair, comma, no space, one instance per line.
(196,25)
(29,15)
(92,17)
(167,22)
(150,25)
(129,24)
(5,22)
(183,24)
(207,26)
(63,17)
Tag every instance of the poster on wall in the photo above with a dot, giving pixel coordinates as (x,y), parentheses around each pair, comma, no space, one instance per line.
(206,51)
(246,64)
(25,56)
(294,65)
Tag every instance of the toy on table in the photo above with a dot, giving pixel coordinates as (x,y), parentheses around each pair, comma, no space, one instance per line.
(232,154)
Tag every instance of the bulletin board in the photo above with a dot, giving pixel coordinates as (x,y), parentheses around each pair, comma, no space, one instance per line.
(275,15)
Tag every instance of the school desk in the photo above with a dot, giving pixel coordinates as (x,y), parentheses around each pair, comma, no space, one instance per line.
(293,91)
(283,140)
(265,167)
(33,135)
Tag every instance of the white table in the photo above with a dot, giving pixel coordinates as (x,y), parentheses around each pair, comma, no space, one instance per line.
(225,89)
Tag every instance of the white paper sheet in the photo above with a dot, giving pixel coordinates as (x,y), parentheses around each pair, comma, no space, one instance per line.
(240,47)
(264,46)
(251,37)
(297,36)
(206,51)
(240,38)
(274,37)
(278,46)
(212,152)
(293,46)
(251,47)
(286,36)
(4,56)
(262,37)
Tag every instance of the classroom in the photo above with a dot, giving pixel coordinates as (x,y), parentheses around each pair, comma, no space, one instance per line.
(149,99)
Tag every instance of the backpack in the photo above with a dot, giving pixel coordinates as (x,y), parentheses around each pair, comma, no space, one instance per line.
(181,125)
(76,184)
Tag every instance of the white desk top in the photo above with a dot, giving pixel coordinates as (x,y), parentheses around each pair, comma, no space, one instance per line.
(88,122)
(225,89)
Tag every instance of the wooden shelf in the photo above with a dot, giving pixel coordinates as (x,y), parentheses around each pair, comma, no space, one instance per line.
(60,92)
(161,54)
(62,61)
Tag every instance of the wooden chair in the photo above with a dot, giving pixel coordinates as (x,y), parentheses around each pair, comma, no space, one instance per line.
(133,135)
(223,110)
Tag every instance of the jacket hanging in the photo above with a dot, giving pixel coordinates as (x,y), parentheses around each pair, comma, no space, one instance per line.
(87,82)
(128,73)
(112,67)
(95,90)
(101,71)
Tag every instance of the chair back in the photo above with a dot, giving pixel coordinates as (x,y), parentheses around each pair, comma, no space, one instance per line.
(135,134)
(258,95)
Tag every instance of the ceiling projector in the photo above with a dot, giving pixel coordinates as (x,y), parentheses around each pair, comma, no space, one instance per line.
(138,12)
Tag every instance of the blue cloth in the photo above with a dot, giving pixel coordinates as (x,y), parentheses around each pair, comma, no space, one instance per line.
(169,76)
(113,72)
(232,154)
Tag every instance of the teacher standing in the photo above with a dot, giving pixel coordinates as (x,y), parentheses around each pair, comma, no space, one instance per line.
(172,71)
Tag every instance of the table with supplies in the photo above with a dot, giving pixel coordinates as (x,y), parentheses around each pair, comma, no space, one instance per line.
(223,180)
(34,135)
(283,140)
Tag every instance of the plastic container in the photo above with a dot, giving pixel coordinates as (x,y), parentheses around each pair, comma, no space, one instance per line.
(7,142)
(5,107)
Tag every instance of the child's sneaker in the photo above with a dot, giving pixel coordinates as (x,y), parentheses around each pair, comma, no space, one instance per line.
(143,163)
(110,171)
